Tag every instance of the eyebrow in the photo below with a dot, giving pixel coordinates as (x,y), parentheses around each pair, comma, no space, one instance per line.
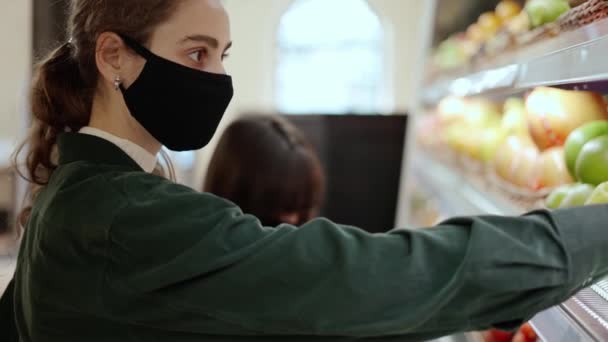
(207,39)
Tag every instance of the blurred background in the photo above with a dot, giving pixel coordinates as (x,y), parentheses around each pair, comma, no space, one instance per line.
(302,57)
(343,71)
(418,110)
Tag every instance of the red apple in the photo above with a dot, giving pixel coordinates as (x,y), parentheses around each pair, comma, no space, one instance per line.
(554,113)
(501,336)
(529,332)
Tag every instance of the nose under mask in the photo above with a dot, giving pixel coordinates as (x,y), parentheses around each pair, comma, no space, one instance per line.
(179,106)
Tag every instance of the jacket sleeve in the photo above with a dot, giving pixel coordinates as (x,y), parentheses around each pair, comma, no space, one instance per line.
(8,326)
(198,264)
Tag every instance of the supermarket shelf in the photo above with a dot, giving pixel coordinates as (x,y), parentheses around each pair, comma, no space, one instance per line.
(582,318)
(557,325)
(455,194)
(582,51)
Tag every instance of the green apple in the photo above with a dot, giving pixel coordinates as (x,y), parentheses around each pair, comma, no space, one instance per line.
(558,195)
(578,138)
(577,196)
(599,195)
(592,162)
(542,12)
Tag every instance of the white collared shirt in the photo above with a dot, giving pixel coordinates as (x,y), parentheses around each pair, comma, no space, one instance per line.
(145,160)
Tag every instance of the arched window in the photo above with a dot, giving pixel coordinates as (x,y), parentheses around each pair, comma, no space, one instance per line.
(330,58)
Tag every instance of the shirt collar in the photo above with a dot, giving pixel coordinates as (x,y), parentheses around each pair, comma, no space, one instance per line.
(76,147)
(146,160)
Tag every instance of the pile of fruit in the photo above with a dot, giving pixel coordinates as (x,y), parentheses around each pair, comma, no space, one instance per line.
(586,153)
(527,144)
(512,25)
(460,48)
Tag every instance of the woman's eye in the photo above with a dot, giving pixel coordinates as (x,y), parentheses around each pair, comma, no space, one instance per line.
(197,56)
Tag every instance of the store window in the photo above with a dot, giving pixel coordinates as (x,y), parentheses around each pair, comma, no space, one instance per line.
(330,58)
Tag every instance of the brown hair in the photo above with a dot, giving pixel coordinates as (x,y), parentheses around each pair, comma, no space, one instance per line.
(266,166)
(65,81)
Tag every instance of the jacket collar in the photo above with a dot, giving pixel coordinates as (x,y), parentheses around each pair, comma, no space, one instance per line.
(74,147)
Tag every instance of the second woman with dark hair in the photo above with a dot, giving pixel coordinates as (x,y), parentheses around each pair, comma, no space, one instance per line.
(266,166)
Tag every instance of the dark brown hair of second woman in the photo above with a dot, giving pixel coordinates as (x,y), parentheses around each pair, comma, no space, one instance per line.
(266,166)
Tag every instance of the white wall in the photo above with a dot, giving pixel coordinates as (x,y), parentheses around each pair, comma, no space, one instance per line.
(403,20)
(15,61)
(253,57)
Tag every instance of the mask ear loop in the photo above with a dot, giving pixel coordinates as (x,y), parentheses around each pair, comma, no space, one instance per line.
(137,47)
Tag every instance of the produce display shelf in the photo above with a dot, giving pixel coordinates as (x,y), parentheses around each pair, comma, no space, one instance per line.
(457,194)
(572,58)
(582,318)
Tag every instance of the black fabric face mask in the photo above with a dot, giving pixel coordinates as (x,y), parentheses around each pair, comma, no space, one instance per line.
(179,106)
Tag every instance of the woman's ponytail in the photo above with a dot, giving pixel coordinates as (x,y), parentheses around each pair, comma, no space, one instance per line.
(65,82)
(60,101)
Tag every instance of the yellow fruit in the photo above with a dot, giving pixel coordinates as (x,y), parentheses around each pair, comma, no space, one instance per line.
(516,161)
(554,113)
(552,168)
(475,33)
(489,23)
(493,137)
(519,24)
(451,108)
(507,9)
(525,172)
(514,117)
(482,113)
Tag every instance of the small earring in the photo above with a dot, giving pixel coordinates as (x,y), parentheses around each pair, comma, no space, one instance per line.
(117,83)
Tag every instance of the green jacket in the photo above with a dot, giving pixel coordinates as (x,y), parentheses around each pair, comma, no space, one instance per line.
(112,253)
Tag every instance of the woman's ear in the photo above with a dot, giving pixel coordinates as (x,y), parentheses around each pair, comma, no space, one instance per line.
(115,60)
(109,58)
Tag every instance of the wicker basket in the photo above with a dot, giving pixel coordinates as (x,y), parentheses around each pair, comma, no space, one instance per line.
(584,14)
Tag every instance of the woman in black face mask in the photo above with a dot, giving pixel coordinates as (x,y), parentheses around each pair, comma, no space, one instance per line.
(112,252)
(285,186)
